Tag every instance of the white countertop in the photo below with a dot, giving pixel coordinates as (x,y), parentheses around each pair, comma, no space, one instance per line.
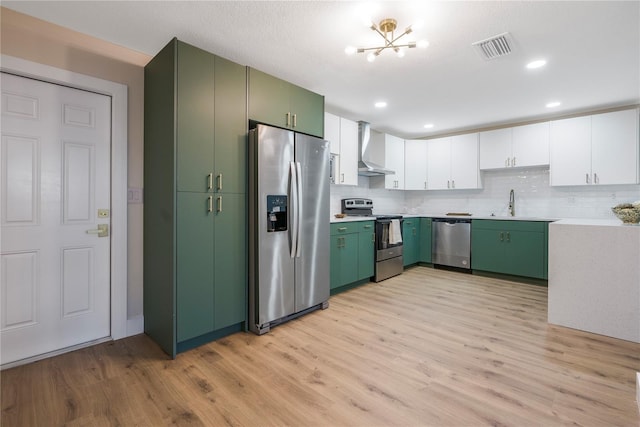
(441,215)
(597,222)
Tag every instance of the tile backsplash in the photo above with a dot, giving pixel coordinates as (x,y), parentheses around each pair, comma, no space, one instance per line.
(534,197)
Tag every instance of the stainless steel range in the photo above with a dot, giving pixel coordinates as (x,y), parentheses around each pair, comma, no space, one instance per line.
(388,253)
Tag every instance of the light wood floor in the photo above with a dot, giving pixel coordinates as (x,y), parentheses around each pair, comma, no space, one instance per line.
(429,347)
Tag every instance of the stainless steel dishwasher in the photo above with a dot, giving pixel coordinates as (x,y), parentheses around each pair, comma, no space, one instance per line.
(451,242)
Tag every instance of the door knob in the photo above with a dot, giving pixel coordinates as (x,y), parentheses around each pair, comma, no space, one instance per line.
(101,231)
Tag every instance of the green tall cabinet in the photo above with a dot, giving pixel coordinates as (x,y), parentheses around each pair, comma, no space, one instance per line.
(195,255)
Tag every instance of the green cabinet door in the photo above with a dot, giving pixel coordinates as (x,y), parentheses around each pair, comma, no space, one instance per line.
(410,240)
(366,250)
(524,255)
(268,99)
(230,127)
(279,103)
(518,248)
(344,259)
(425,240)
(194,271)
(230,259)
(487,249)
(194,114)
(308,108)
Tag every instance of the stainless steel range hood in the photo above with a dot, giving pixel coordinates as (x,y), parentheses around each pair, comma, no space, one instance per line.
(365,166)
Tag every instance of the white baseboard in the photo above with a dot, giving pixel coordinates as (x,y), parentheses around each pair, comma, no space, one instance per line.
(638,390)
(135,325)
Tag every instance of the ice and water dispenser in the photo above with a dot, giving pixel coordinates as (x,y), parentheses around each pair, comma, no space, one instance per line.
(276,213)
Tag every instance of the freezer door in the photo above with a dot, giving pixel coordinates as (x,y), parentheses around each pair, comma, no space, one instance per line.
(312,262)
(275,267)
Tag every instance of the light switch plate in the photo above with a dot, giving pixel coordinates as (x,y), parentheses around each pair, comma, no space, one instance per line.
(134,195)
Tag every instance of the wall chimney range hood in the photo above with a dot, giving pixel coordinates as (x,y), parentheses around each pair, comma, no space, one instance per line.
(365,166)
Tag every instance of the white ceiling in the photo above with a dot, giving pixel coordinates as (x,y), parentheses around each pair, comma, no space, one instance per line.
(592,51)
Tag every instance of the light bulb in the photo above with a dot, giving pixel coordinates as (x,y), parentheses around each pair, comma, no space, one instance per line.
(428,126)
(371,57)
(400,53)
(350,50)
(536,64)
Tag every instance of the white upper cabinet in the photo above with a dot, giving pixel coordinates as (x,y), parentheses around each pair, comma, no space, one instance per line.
(530,145)
(343,136)
(614,147)
(415,164)
(452,162)
(598,149)
(518,146)
(332,131)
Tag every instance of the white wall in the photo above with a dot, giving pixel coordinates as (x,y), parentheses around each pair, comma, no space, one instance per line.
(534,197)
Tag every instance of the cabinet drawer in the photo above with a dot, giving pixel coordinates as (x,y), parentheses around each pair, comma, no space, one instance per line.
(366,227)
(344,228)
(501,225)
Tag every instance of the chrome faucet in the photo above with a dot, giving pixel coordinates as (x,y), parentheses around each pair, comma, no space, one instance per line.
(512,203)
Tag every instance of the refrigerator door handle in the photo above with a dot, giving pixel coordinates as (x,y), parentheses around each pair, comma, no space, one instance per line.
(294,205)
(299,207)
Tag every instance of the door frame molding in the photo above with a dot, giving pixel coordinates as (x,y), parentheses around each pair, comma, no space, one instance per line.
(118,93)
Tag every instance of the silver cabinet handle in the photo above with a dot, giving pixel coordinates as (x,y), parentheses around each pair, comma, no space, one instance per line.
(295,120)
(587,178)
(501,236)
(288,119)
(366,226)
(425,185)
(508,236)
(210,181)
(453,183)
(219,204)
(448,184)
(342,228)
(210,204)
(101,231)
(595,178)
(341,177)
(373,237)
(513,163)
(508,162)
(219,179)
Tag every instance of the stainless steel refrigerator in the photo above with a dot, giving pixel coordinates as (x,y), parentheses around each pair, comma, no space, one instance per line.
(288,226)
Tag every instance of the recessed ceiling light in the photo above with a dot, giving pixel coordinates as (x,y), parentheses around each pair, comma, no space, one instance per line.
(380,104)
(553,104)
(428,126)
(536,64)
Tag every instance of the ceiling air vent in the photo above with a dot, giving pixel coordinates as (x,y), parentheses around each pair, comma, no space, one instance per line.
(494,47)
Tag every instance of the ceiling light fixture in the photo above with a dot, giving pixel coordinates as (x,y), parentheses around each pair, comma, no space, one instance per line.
(428,126)
(380,104)
(553,104)
(536,64)
(386,29)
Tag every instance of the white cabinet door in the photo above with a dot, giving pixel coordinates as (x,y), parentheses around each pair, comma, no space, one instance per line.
(495,149)
(332,131)
(415,164)
(439,163)
(464,161)
(570,151)
(348,152)
(614,147)
(394,160)
(530,145)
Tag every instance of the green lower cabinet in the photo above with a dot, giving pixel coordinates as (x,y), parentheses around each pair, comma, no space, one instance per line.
(344,259)
(366,250)
(517,248)
(194,269)
(425,240)
(230,299)
(410,241)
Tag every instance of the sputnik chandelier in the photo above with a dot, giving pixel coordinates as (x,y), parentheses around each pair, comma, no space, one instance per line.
(386,29)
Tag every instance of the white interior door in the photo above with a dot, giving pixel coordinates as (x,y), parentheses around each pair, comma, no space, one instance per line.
(55,280)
